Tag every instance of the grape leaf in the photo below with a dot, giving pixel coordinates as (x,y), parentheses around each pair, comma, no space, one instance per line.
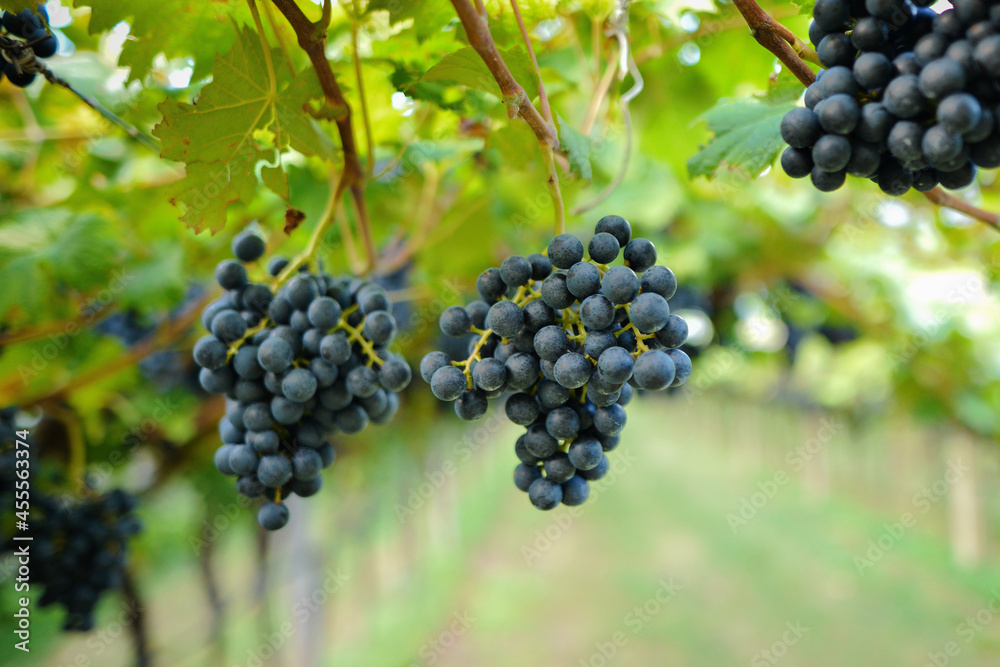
(805,6)
(429,16)
(145,20)
(16,6)
(577,148)
(215,136)
(466,68)
(747,133)
(47,251)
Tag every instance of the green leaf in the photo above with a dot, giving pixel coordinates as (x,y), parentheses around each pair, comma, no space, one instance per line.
(466,68)
(48,251)
(747,134)
(577,147)
(145,21)
(428,16)
(215,136)
(16,6)
(517,145)
(276,180)
(787,89)
(805,6)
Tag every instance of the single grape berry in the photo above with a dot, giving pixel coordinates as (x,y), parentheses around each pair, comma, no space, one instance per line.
(603,248)
(573,370)
(324,313)
(448,383)
(903,97)
(471,405)
(575,491)
(831,153)
(620,285)
(585,453)
(505,318)
(210,352)
(649,312)
(617,227)
(248,247)
(272,516)
(838,113)
(524,475)
(941,77)
(959,113)
(564,251)
(597,313)
(515,271)
(800,128)
(545,494)
(797,162)
(640,254)
(230,274)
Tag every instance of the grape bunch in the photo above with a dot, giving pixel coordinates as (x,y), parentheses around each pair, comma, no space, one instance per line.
(568,338)
(33,39)
(296,366)
(79,550)
(908,97)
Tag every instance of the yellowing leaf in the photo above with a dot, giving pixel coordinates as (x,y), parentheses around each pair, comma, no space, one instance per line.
(215,136)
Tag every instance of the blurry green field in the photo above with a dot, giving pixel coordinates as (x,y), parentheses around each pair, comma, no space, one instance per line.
(475,576)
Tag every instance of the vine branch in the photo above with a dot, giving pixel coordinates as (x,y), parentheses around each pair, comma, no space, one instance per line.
(359,76)
(311,37)
(514,97)
(948,200)
(543,100)
(24,60)
(140,637)
(778,39)
(84,319)
(168,332)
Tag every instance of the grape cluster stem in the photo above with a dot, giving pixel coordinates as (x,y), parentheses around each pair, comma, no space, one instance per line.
(568,319)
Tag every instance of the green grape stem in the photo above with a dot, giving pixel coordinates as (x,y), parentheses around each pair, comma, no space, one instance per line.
(355,335)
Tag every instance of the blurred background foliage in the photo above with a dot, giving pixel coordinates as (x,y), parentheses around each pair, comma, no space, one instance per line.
(876,312)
